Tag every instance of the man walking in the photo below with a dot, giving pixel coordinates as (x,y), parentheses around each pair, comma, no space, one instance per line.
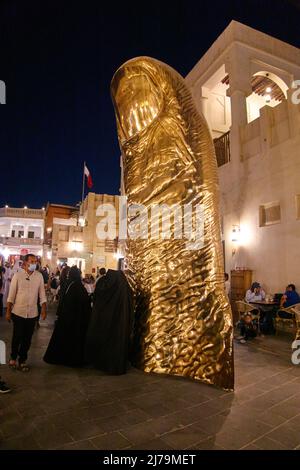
(26,287)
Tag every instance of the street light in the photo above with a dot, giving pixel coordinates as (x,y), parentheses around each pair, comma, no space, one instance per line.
(235,237)
(235,234)
(268,98)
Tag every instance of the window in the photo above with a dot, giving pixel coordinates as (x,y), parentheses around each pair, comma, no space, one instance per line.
(63,235)
(21,233)
(13,233)
(269,214)
(30,234)
(109,246)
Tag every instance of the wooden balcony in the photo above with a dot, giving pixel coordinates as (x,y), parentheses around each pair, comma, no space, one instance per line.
(222,149)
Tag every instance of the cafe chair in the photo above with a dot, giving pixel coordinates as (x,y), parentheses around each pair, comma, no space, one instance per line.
(292,323)
(243,308)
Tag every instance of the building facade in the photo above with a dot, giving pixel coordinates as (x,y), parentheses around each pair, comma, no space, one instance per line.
(245,87)
(73,234)
(21,232)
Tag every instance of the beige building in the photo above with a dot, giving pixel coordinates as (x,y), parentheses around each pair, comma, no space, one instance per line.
(244,86)
(78,240)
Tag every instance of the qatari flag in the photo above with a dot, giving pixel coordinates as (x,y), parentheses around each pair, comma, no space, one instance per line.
(89,177)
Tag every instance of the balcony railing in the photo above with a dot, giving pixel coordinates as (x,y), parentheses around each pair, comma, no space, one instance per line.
(23,213)
(14,241)
(222,149)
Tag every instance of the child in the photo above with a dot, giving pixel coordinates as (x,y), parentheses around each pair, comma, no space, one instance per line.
(248,328)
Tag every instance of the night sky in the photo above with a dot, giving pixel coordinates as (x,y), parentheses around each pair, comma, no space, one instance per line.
(57,59)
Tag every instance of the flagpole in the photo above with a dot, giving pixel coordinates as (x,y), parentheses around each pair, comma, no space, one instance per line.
(83,181)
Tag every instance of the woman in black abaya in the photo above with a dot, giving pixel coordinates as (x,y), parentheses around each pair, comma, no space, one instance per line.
(108,337)
(67,343)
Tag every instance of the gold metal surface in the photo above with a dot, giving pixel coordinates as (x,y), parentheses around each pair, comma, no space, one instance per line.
(183,317)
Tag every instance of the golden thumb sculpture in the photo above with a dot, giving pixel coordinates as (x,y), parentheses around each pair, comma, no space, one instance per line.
(183,321)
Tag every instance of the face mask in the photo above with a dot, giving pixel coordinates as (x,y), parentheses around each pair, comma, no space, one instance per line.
(32,267)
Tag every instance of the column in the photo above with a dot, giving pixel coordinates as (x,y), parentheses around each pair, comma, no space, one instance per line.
(200,95)
(25,230)
(238,108)
(10,229)
(238,119)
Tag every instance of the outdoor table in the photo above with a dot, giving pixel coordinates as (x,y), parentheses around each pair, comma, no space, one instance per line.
(268,313)
(264,302)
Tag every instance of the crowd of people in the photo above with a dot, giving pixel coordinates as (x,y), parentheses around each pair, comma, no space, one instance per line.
(94,316)
(264,309)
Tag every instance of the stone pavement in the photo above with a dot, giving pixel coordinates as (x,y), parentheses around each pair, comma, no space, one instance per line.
(55,407)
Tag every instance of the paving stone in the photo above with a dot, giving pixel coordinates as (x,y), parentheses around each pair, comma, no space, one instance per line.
(20,443)
(185,437)
(82,431)
(157,410)
(232,439)
(250,447)
(98,412)
(51,437)
(164,424)
(30,411)
(56,407)
(134,417)
(265,443)
(295,421)
(206,444)
(112,423)
(286,410)
(271,418)
(113,441)
(215,424)
(80,445)
(16,428)
(155,444)
(138,433)
(286,435)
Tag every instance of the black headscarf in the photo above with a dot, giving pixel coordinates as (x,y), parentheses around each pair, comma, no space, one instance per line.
(67,344)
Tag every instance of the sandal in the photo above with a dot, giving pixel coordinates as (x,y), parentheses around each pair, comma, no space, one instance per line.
(24,367)
(12,364)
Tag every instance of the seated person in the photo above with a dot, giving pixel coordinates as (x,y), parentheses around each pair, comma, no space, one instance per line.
(289,298)
(248,328)
(255,293)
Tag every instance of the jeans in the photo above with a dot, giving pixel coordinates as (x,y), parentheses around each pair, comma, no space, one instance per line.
(266,316)
(248,331)
(23,329)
